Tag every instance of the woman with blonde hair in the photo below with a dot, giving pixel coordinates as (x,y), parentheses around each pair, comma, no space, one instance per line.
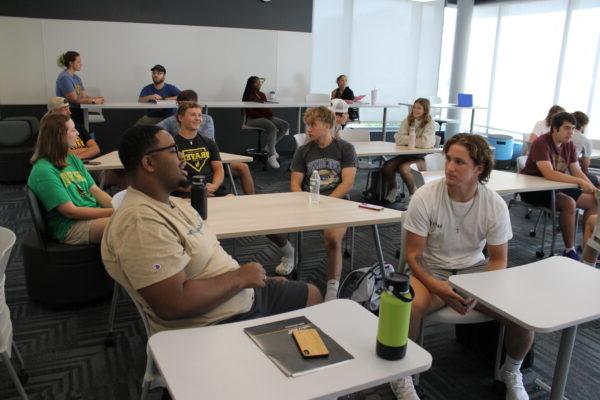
(425,127)
(77,209)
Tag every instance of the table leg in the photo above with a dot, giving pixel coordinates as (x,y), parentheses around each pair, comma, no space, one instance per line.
(299,126)
(231,180)
(298,253)
(563,361)
(384,123)
(86,119)
(553,208)
(378,250)
(472,119)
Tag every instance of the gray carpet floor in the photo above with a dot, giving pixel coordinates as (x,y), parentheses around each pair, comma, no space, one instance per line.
(66,357)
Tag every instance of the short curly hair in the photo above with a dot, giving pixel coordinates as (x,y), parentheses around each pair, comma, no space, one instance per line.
(478,149)
(322,113)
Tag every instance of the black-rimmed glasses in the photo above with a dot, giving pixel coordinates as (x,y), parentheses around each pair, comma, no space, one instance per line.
(173,147)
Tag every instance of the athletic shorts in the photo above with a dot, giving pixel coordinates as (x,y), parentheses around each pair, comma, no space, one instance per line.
(444,274)
(277,297)
(79,233)
(544,198)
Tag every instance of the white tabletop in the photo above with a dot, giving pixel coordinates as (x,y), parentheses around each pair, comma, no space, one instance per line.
(448,105)
(263,214)
(127,105)
(504,182)
(222,362)
(111,161)
(547,295)
(376,105)
(379,148)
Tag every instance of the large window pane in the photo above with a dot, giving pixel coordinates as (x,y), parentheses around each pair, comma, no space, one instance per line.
(528,55)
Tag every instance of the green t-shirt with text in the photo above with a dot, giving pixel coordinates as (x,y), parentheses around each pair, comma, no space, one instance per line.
(54,186)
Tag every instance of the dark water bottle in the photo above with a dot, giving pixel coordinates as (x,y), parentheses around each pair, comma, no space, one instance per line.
(199,196)
(394,317)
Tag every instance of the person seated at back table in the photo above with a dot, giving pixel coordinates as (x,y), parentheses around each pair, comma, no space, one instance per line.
(583,145)
(202,158)
(335,160)
(344,92)
(275,128)
(157,90)
(449,222)
(552,156)
(85,147)
(171,262)
(77,209)
(425,127)
(207,129)
(542,127)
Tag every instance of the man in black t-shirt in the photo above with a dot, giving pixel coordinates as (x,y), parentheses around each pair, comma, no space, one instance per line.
(201,154)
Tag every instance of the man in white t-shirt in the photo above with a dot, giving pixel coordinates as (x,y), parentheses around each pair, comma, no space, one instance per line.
(449,223)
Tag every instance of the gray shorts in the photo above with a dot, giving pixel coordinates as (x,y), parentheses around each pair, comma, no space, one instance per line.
(444,274)
(276,297)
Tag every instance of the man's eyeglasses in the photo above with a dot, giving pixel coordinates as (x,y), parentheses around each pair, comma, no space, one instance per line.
(173,149)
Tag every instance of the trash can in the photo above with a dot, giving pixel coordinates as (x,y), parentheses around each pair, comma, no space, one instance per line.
(504,149)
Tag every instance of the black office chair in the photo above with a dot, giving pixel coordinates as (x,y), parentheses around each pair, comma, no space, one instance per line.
(258,154)
(57,273)
(16,147)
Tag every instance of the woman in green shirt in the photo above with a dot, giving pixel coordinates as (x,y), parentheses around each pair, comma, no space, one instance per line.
(78,210)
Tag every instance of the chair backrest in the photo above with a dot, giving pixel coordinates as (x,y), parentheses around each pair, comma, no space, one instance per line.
(355,135)
(14,133)
(438,140)
(7,241)
(143,315)
(117,199)
(417,176)
(37,215)
(521,160)
(317,98)
(300,139)
(434,162)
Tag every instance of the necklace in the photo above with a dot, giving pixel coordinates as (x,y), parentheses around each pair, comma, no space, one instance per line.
(461,220)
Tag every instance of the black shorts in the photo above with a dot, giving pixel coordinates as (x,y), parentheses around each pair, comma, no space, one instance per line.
(409,157)
(544,198)
(277,297)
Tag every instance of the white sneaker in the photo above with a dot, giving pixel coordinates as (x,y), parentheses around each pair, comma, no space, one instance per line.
(514,386)
(285,267)
(272,161)
(404,389)
(391,196)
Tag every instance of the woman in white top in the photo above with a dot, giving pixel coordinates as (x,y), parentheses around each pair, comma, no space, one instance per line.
(420,120)
(543,126)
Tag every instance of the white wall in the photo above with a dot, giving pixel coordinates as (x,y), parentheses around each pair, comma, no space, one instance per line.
(117,58)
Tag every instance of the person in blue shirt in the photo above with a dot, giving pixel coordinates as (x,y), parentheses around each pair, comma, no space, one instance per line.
(70,86)
(158,90)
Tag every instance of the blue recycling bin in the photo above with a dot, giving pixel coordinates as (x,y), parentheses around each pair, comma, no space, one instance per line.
(503,145)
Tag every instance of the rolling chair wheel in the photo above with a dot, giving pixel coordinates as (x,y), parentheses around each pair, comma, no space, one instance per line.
(539,254)
(532,233)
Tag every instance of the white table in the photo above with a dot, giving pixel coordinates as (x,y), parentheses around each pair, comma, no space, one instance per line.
(222,362)
(264,214)
(452,106)
(504,182)
(385,107)
(133,105)
(111,161)
(545,296)
(381,148)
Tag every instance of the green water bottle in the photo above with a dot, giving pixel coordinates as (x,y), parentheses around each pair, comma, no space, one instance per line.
(394,317)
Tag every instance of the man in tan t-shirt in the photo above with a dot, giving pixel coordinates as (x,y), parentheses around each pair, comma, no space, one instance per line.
(158,248)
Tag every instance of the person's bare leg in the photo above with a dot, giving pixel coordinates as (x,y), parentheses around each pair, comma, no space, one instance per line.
(389,170)
(242,171)
(590,255)
(314,295)
(407,176)
(333,247)
(97,229)
(566,205)
(423,303)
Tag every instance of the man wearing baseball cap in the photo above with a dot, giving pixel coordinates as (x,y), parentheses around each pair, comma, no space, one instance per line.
(158,90)
(340,109)
(85,147)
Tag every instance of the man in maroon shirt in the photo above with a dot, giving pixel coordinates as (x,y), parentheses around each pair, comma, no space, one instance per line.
(552,156)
